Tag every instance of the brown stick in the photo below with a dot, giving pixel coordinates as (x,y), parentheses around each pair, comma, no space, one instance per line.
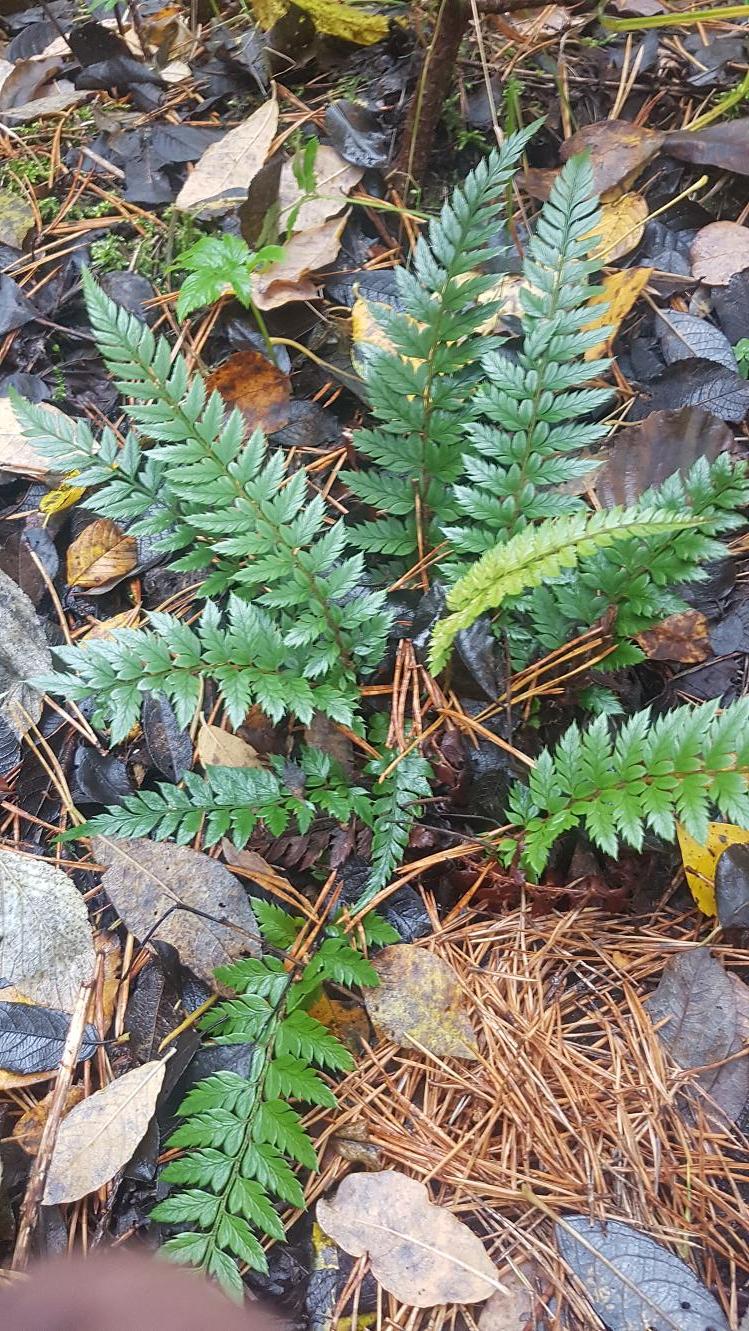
(40,1168)
(429,95)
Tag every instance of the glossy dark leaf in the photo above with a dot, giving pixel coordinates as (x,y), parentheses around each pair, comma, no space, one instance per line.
(16,309)
(697,383)
(32,1038)
(731,306)
(683,336)
(634,1283)
(732,887)
(666,441)
(169,747)
(357,134)
(99,778)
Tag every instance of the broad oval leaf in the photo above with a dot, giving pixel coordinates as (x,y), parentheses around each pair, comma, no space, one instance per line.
(419,1002)
(32,1038)
(46,942)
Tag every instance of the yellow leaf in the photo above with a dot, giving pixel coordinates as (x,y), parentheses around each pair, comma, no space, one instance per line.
(332,18)
(620,227)
(621,291)
(700,860)
(101,555)
(56,501)
(268,12)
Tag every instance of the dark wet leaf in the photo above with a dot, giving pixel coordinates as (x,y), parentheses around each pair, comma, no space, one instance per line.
(99,778)
(696,383)
(92,43)
(10,748)
(732,887)
(262,198)
(16,309)
(309,426)
(682,337)
(31,41)
(169,747)
(248,52)
(731,633)
(131,291)
(172,144)
(19,554)
(666,441)
(731,306)
(634,1283)
(121,72)
(357,134)
(32,1038)
(702,1020)
(725,145)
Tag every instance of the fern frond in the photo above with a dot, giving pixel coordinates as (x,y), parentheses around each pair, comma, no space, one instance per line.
(647,775)
(419,393)
(398,801)
(539,554)
(531,408)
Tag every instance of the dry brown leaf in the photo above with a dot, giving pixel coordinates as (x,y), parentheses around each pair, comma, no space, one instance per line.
(101,556)
(348,1021)
(683,637)
(334,179)
(510,1309)
(146,880)
(107,946)
(619,151)
(126,619)
(620,293)
(249,381)
(420,1253)
(23,653)
(306,253)
(28,1129)
(46,944)
(99,1135)
(718,251)
(419,1002)
(16,453)
(219,748)
(620,227)
(537,181)
(263,873)
(222,176)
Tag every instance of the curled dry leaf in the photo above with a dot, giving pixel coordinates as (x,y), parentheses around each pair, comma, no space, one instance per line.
(99,1135)
(334,179)
(700,860)
(683,637)
(157,888)
(420,1253)
(101,556)
(307,252)
(620,227)
(219,748)
(249,381)
(619,151)
(46,943)
(222,175)
(23,654)
(718,251)
(419,1002)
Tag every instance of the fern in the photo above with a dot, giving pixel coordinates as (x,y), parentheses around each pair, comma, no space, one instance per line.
(420,392)
(241,1136)
(398,801)
(652,772)
(539,554)
(232,801)
(531,406)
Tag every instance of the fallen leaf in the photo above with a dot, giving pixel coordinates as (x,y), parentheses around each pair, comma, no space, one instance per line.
(547,21)
(169,745)
(52,104)
(358,134)
(219,748)
(718,251)
(28,1129)
(696,383)
(420,1253)
(619,294)
(732,886)
(23,654)
(348,1021)
(32,1038)
(257,868)
(146,880)
(537,181)
(510,1309)
(620,227)
(62,497)
(332,18)
(46,943)
(108,946)
(305,253)
(725,145)
(100,1134)
(16,453)
(700,859)
(683,637)
(126,619)
(419,1002)
(249,381)
(334,179)
(619,151)
(26,79)
(632,1281)
(701,1016)
(222,175)
(101,556)
(683,336)
(16,219)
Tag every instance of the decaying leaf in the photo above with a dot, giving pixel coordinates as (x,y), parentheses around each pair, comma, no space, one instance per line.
(222,175)
(633,1282)
(643,455)
(332,18)
(307,252)
(725,145)
(683,637)
(169,745)
(619,151)
(700,860)
(46,943)
(156,887)
(510,1309)
(683,336)
(100,556)
(420,1253)
(702,1014)
(718,251)
(419,1002)
(28,1129)
(619,294)
(620,227)
(249,381)
(32,1038)
(16,453)
(732,887)
(23,654)
(219,748)
(334,179)
(16,219)
(100,1134)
